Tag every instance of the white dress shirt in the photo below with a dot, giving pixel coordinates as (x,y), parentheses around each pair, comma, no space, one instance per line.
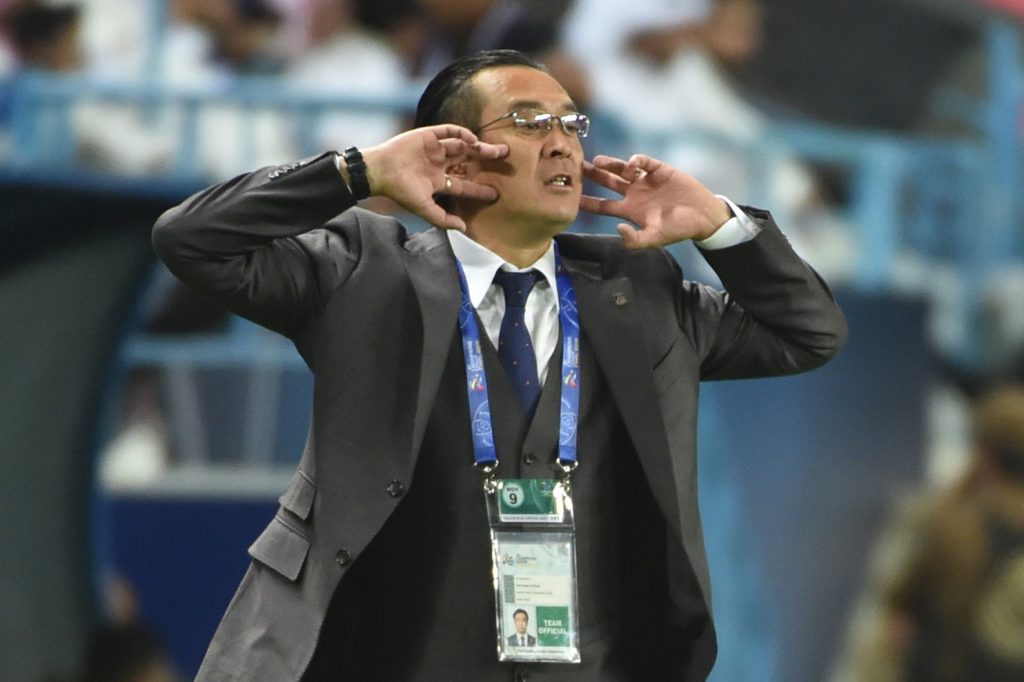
(480,263)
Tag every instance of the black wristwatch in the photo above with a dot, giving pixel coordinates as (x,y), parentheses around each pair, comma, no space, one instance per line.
(357,173)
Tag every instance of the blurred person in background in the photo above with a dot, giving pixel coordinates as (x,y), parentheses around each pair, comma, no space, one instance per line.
(459,28)
(7,57)
(124,648)
(345,58)
(211,46)
(46,37)
(674,56)
(8,65)
(239,36)
(128,652)
(946,599)
(402,24)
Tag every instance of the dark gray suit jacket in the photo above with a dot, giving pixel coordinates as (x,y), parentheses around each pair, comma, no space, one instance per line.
(513,640)
(372,310)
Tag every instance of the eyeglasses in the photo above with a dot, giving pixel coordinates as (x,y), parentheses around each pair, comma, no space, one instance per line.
(534,123)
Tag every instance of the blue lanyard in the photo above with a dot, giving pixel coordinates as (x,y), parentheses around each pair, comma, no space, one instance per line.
(484,452)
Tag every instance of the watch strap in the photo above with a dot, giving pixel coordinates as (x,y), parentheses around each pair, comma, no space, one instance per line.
(357,173)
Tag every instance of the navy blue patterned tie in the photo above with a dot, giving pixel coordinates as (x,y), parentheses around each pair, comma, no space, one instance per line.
(514,346)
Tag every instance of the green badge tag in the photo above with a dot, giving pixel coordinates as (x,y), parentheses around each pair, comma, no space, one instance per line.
(530,500)
(553,626)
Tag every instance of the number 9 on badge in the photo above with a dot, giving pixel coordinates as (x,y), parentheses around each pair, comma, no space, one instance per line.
(512,495)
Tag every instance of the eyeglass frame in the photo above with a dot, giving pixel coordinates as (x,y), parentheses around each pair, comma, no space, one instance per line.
(581,118)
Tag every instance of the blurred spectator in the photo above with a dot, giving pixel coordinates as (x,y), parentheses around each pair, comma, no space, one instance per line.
(462,27)
(124,648)
(7,58)
(217,39)
(190,51)
(670,59)
(458,28)
(402,22)
(344,58)
(244,35)
(945,604)
(126,653)
(45,37)
(139,453)
(8,68)
(209,45)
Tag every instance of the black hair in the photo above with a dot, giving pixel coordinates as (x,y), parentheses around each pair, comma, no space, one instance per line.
(33,25)
(449,99)
(258,11)
(522,611)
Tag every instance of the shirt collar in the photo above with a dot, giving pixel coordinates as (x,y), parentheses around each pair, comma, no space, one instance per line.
(480,263)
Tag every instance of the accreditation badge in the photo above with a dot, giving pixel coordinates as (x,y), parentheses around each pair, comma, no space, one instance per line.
(533,549)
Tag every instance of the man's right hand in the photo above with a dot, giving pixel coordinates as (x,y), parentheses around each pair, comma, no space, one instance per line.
(411,167)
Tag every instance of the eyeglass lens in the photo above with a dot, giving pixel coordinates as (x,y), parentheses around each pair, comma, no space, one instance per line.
(535,122)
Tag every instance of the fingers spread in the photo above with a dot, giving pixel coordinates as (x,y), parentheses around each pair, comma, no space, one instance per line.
(611,164)
(634,238)
(643,162)
(641,165)
(627,171)
(486,150)
(453,147)
(605,178)
(448,131)
(629,235)
(590,204)
(638,166)
(460,140)
(601,206)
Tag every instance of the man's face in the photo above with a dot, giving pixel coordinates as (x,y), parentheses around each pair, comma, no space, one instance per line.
(521,621)
(540,182)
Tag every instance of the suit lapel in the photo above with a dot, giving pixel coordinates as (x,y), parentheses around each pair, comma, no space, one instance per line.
(431,268)
(611,325)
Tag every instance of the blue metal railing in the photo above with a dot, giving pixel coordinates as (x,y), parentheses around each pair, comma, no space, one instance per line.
(882,168)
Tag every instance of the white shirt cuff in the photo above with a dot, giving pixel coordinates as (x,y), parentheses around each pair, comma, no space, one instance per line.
(736,230)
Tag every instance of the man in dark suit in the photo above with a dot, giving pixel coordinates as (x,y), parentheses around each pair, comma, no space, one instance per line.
(385,516)
(521,637)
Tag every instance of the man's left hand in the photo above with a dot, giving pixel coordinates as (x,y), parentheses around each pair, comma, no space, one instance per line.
(663,204)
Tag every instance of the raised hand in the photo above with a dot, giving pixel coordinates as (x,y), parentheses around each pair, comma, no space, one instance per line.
(410,168)
(662,204)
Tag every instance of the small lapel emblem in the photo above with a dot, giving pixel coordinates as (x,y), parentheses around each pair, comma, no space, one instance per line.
(620,298)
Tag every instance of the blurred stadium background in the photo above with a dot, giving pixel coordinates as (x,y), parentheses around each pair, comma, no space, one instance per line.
(145,435)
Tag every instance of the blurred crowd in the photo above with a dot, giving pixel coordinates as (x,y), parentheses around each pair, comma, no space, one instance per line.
(244,59)
(604,51)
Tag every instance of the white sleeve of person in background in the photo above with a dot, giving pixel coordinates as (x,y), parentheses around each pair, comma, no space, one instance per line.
(595,27)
